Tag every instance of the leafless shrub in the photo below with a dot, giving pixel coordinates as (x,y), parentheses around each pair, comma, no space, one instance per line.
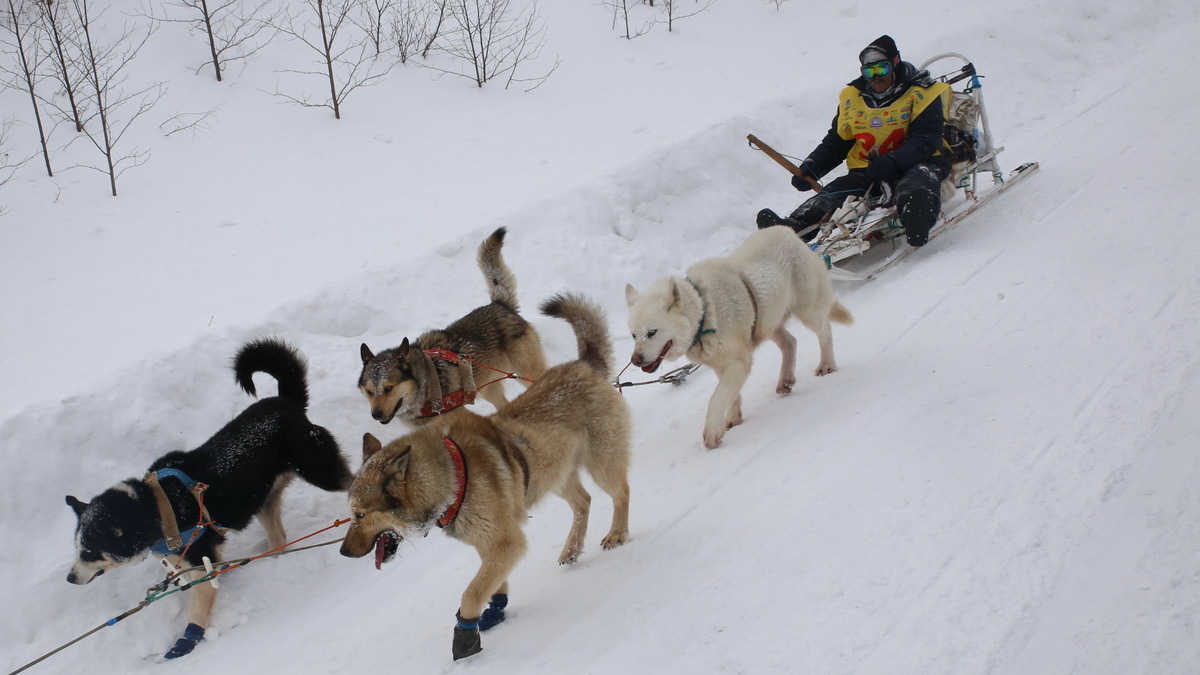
(195,123)
(490,40)
(111,109)
(234,29)
(675,12)
(416,25)
(61,32)
(23,42)
(622,18)
(344,55)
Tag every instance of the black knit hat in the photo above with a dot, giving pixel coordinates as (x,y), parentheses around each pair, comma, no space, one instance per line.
(882,49)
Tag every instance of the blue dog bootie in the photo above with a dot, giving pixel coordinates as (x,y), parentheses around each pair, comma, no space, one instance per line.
(192,636)
(494,614)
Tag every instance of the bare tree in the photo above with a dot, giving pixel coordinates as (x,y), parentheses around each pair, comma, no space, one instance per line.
(61,30)
(345,57)
(235,29)
(415,25)
(112,108)
(492,40)
(672,10)
(23,42)
(438,23)
(372,20)
(621,16)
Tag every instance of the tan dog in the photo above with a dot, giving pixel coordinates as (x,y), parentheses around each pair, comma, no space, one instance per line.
(423,379)
(476,477)
(726,307)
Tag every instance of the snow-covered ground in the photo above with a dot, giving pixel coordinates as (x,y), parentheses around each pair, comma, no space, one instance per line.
(1000,478)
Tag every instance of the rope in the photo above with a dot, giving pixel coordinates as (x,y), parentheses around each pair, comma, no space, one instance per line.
(160,590)
(676,376)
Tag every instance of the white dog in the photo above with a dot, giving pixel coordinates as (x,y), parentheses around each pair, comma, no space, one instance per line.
(726,307)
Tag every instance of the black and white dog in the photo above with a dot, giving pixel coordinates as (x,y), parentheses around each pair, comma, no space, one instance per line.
(244,466)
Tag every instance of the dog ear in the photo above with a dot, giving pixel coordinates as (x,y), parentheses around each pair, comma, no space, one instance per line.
(365,352)
(402,350)
(398,465)
(371,445)
(631,294)
(77,506)
(675,295)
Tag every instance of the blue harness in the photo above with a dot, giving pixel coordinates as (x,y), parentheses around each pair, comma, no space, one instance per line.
(186,537)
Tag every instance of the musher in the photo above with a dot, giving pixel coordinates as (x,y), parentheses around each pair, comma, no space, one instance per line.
(889,130)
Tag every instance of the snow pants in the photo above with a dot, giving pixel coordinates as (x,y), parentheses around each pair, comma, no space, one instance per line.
(918,196)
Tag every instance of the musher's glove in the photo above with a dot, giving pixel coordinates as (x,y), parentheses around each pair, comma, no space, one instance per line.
(882,169)
(801,182)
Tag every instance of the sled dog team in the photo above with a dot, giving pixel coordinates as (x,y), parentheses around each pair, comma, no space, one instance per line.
(473,476)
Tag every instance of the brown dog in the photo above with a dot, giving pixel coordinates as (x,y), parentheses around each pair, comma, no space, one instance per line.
(425,378)
(476,477)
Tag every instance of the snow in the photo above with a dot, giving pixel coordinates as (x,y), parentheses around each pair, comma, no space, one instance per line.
(999,478)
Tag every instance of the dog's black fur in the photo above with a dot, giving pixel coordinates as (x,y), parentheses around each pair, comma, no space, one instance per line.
(241,464)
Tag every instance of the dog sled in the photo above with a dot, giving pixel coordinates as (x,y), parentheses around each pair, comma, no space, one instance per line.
(864,237)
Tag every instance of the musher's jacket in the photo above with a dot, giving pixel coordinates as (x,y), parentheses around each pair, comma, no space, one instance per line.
(906,127)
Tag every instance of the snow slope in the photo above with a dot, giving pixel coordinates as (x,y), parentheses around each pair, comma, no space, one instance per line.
(996,481)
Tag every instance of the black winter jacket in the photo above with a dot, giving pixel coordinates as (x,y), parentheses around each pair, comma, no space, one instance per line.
(922,140)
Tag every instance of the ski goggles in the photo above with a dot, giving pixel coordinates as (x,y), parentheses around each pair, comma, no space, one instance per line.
(875,70)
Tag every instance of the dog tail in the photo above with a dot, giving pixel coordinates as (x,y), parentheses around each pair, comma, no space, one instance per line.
(502,285)
(839,314)
(590,325)
(277,359)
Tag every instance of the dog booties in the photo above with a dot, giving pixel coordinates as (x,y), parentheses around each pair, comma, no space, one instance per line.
(192,636)
(494,614)
(466,637)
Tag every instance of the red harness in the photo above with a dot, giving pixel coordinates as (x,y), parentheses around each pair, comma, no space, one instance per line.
(453,400)
(460,470)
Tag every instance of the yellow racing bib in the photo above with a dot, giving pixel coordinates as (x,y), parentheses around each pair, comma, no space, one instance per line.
(879,131)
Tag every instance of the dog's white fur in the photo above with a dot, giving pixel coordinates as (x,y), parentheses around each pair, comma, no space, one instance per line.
(726,307)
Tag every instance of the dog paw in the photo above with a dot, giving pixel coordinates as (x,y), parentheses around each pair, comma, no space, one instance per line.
(568,558)
(785,386)
(713,439)
(614,539)
(825,369)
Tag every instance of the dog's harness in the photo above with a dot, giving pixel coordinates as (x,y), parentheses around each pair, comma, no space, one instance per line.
(700,330)
(753,306)
(438,403)
(173,540)
(460,471)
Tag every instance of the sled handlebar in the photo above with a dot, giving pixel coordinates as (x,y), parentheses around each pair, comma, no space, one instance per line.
(782,161)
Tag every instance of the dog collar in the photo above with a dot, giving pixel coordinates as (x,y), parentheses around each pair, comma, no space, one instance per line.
(460,472)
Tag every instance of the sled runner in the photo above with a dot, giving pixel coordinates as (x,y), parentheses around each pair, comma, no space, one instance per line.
(864,237)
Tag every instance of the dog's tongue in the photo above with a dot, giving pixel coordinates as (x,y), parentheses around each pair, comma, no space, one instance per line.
(380,551)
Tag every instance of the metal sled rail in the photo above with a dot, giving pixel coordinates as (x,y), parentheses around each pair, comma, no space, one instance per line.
(870,271)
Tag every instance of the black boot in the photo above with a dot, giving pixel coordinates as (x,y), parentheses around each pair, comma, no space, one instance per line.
(768,218)
(466,637)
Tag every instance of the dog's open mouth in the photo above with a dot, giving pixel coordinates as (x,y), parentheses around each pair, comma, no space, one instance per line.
(386,545)
(651,367)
